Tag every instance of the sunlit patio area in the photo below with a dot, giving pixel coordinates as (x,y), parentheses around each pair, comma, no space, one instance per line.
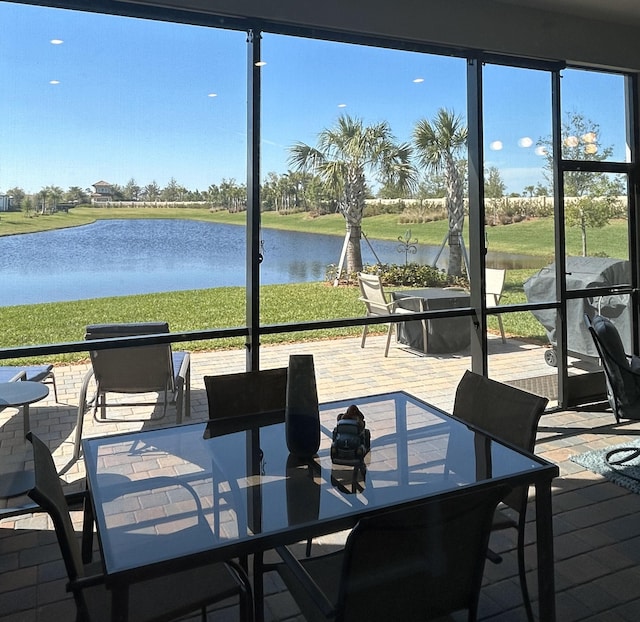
(597,548)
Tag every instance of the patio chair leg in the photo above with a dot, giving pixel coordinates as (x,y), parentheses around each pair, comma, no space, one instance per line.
(364,335)
(504,340)
(391,330)
(186,403)
(55,388)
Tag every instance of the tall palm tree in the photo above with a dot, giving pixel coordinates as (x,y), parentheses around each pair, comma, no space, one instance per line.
(439,143)
(343,157)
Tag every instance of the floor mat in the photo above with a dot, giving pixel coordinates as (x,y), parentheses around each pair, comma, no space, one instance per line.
(545,386)
(618,463)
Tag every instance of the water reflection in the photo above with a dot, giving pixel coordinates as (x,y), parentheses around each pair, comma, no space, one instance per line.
(123,257)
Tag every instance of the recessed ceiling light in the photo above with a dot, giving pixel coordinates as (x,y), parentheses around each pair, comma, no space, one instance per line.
(56,41)
(540,151)
(342,105)
(525,142)
(212,95)
(496,145)
(418,80)
(261,63)
(54,81)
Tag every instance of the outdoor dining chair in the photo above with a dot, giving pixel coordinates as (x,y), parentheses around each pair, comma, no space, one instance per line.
(372,294)
(621,370)
(418,563)
(134,370)
(167,597)
(247,393)
(512,415)
(237,400)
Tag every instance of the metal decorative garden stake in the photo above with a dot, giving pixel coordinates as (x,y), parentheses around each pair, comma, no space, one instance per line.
(407,246)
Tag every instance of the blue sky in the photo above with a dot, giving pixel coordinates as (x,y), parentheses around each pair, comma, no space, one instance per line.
(91,97)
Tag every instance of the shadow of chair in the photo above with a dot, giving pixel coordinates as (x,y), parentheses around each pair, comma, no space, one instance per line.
(419,563)
(373,295)
(494,284)
(511,415)
(165,598)
(622,370)
(134,370)
(30,373)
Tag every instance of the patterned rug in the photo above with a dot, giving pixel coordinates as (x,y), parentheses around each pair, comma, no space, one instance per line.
(618,463)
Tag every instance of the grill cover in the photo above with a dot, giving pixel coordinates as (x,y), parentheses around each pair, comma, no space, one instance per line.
(582,273)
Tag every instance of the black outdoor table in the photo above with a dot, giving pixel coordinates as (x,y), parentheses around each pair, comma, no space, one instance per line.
(254,496)
(444,335)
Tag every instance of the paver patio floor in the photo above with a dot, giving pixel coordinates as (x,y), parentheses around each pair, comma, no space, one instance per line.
(597,533)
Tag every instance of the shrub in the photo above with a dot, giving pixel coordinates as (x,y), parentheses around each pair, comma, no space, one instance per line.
(411,275)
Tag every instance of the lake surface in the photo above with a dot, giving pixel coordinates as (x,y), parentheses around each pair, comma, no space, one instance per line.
(124,257)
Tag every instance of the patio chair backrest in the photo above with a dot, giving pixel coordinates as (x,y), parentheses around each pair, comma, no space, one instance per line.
(622,373)
(246,393)
(418,563)
(372,294)
(132,369)
(505,412)
(48,494)
(494,284)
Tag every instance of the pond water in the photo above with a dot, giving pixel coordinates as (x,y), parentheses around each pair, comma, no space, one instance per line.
(123,257)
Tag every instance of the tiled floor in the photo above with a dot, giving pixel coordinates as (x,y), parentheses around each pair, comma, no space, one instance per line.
(597,533)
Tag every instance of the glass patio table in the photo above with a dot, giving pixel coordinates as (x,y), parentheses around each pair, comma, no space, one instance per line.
(149,489)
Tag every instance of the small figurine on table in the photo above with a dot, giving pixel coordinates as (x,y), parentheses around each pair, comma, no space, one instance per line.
(351,438)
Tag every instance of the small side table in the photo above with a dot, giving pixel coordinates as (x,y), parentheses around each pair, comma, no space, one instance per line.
(22,393)
(19,393)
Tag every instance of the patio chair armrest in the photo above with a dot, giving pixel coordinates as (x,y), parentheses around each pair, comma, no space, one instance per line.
(82,405)
(412,299)
(21,375)
(306,581)
(183,373)
(389,305)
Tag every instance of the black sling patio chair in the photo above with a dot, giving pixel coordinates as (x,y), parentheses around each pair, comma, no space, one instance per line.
(511,415)
(161,599)
(134,370)
(418,563)
(621,370)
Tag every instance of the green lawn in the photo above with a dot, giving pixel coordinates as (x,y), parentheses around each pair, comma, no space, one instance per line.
(222,307)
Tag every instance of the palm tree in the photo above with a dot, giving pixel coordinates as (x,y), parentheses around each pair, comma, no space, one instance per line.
(438,143)
(344,155)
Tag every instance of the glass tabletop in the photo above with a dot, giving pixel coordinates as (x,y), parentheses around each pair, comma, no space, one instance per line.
(168,493)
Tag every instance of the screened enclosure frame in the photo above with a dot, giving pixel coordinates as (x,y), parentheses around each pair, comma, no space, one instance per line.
(478,311)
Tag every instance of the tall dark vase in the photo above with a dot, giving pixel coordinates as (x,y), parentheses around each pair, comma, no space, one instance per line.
(302,415)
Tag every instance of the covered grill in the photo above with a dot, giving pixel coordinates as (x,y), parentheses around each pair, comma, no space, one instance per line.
(582,273)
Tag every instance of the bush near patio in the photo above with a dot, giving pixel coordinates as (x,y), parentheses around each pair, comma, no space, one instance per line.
(410,275)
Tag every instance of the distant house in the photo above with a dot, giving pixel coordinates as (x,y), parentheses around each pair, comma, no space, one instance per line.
(5,202)
(102,192)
